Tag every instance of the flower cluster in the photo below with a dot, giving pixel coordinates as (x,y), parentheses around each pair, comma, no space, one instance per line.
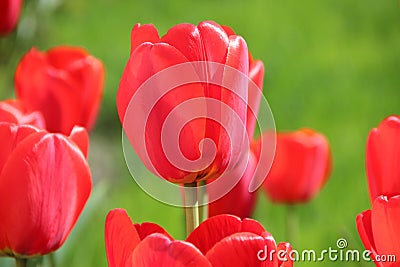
(45,179)
(223,240)
(188,102)
(299,170)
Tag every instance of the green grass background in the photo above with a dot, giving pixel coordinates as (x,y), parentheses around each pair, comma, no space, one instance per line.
(330,65)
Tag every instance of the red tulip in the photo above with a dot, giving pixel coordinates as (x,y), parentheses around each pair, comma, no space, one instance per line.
(379,229)
(9,14)
(219,241)
(239,201)
(14,111)
(45,182)
(147,244)
(300,168)
(383,158)
(144,120)
(64,83)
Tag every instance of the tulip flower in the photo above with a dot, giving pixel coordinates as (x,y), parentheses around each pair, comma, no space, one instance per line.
(14,111)
(300,168)
(383,158)
(9,14)
(45,182)
(65,84)
(238,201)
(379,229)
(144,119)
(223,240)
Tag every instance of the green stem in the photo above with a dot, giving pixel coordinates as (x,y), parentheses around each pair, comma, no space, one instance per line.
(19,262)
(191,208)
(291,223)
(52,260)
(202,195)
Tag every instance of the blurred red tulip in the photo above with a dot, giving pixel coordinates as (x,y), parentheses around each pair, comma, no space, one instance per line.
(9,14)
(239,201)
(14,111)
(383,158)
(222,240)
(379,229)
(301,167)
(45,182)
(208,42)
(64,83)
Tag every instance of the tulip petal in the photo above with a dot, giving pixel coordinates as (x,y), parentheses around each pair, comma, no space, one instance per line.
(143,33)
(383,158)
(256,74)
(364,228)
(44,185)
(155,106)
(121,238)
(81,138)
(214,40)
(216,44)
(284,258)
(15,112)
(10,136)
(65,57)
(159,250)
(8,113)
(230,139)
(88,75)
(59,118)
(229,31)
(145,229)
(214,229)
(385,219)
(186,38)
(240,250)
(137,71)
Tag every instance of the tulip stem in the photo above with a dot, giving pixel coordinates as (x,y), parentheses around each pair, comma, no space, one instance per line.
(52,260)
(19,262)
(291,223)
(191,207)
(203,208)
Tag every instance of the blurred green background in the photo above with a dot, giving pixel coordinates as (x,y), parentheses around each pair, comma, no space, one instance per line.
(330,65)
